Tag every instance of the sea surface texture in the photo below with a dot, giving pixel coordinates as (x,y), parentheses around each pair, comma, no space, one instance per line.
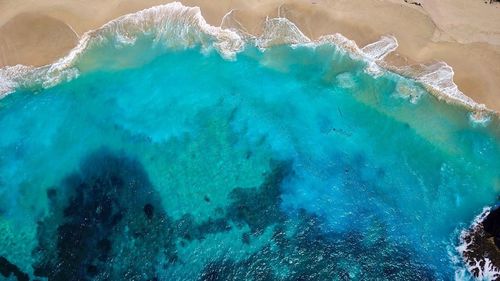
(155,159)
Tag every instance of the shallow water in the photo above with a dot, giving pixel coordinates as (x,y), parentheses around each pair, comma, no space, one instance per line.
(291,163)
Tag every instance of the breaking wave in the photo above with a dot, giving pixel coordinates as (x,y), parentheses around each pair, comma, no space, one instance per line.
(177,26)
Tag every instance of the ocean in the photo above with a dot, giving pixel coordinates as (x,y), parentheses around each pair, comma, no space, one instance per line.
(162,148)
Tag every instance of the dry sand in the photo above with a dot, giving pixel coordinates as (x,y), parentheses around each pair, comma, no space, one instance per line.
(463,33)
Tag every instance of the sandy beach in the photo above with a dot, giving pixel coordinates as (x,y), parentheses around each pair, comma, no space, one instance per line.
(463,33)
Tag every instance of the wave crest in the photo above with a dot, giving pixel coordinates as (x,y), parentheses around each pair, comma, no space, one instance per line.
(438,79)
(177,26)
(172,25)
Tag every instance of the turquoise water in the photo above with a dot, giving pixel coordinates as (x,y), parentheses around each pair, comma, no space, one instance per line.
(284,164)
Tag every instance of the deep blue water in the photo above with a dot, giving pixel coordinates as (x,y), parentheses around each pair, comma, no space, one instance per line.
(287,164)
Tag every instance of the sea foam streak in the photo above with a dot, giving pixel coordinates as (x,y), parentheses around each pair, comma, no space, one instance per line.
(178,26)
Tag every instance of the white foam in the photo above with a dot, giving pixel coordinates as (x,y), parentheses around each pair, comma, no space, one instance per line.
(173,25)
(437,77)
(339,40)
(488,271)
(380,49)
(345,80)
(279,31)
(7,80)
(476,223)
(178,26)
(480,117)
(407,90)
(230,22)
(375,52)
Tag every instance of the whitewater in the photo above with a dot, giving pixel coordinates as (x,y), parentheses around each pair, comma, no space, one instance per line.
(164,148)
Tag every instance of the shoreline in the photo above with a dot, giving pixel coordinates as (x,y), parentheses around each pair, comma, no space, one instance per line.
(299,12)
(374,53)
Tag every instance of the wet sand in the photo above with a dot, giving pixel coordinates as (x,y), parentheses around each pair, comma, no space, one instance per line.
(463,33)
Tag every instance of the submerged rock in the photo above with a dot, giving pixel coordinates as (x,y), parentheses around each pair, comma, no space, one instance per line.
(8,269)
(99,231)
(259,207)
(149,210)
(491,225)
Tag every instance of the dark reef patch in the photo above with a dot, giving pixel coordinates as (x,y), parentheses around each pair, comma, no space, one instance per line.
(8,269)
(110,204)
(260,207)
(149,210)
(187,229)
(300,248)
(107,223)
(257,207)
(483,241)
